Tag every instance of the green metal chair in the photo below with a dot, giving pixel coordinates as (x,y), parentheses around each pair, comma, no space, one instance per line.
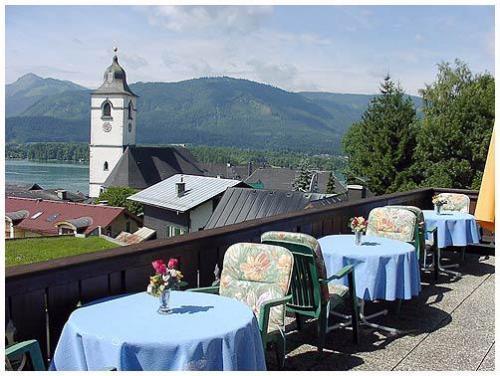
(312,294)
(259,276)
(31,348)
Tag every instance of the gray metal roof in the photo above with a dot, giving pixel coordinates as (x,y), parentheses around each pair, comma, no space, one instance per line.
(243,204)
(282,178)
(17,215)
(199,189)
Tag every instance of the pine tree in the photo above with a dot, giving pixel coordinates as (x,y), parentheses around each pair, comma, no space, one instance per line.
(380,147)
(331,185)
(303,180)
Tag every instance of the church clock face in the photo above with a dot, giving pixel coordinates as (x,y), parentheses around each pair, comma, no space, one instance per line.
(106,127)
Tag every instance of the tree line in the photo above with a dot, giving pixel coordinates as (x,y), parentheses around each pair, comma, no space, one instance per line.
(391,149)
(62,151)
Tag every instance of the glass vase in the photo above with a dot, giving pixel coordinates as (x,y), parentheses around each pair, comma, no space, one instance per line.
(357,237)
(164,308)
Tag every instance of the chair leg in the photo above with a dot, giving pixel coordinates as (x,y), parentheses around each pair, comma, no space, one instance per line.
(463,254)
(280,348)
(322,324)
(298,320)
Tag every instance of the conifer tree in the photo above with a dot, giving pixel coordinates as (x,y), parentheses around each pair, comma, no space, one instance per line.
(303,180)
(380,147)
(331,185)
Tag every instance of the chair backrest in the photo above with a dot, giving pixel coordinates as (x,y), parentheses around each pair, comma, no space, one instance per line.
(455,202)
(309,266)
(392,223)
(419,228)
(255,273)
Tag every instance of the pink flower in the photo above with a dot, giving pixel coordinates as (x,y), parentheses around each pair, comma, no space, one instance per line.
(159,266)
(173,263)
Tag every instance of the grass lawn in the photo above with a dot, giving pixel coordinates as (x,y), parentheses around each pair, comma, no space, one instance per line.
(27,251)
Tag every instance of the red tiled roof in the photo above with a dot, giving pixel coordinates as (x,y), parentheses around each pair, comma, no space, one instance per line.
(45,222)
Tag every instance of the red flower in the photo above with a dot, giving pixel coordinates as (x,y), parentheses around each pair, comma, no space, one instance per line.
(173,263)
(159,266)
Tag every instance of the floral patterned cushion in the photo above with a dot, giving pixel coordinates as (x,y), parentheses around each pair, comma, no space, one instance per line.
(305,240)
(255,273)
(392,223)
(455,202)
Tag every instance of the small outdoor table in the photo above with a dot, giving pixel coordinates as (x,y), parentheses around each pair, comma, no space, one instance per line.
(203,332)
(453,229)
(384,269)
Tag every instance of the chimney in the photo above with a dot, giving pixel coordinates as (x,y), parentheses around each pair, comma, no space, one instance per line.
(181,187)
(62,194)
(355,192)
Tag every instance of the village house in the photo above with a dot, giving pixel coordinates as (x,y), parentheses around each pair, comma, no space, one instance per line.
(25,218)
(182,203)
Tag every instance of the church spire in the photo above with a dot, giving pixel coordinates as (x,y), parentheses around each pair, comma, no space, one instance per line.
(115,79)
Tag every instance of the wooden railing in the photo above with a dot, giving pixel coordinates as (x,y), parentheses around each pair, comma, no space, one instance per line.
(40,297)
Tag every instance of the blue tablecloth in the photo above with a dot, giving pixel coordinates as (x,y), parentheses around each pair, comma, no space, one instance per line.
(453,228)
(383,268)
(204,332)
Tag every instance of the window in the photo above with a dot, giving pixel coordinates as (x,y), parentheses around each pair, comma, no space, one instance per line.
(36,215)
(106,109)
(106,167)
(130,109)
(174,231)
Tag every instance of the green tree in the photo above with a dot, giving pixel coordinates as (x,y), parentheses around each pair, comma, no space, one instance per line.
(303,180)
(459,112)
(380,147)
(117,196)
(331,184)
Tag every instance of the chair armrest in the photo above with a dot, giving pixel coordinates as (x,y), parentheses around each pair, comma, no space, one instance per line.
(208,290)
(265,311)
(431,229)
(341,273)
(30,347)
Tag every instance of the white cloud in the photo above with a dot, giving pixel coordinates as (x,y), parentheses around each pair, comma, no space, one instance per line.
(133,61)
(219,19)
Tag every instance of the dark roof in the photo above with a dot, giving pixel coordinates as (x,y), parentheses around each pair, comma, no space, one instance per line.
(282,178)
(238,172)
(115,80)
(243,204)
(44,214)
(141,167)
(339,197)
(37,192)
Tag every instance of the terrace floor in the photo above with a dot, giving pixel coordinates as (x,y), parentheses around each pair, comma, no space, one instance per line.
(450,326)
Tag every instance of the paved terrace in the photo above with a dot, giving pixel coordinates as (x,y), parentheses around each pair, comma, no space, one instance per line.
(450,326)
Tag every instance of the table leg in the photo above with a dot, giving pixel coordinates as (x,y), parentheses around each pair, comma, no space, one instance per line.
(445,269)
(365,322)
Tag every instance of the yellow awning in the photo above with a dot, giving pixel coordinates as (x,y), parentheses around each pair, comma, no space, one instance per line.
(485,208)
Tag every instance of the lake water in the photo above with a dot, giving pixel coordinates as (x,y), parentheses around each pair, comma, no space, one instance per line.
(50,175)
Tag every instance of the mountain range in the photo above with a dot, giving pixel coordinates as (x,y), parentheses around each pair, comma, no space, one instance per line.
(219,111)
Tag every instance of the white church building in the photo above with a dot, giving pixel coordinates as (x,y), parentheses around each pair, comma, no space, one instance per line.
(115,160)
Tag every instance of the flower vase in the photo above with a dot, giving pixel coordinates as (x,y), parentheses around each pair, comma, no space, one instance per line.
(437,208)
(357,237)
(164,309)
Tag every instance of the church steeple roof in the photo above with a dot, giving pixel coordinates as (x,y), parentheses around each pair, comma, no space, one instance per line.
(115,80)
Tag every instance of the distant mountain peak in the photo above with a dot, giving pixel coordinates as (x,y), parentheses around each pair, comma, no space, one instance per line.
(31,77)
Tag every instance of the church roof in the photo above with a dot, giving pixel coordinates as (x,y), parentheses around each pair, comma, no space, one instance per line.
(115,80)
(140,167)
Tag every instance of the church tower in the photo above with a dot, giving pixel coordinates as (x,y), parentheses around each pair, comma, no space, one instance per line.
(112,125)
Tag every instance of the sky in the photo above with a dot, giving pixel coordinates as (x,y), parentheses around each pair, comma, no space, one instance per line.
(347,49)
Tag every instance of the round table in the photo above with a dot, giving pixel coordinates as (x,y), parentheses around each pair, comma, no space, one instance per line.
(204,332)
(453,228)
(383,268)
